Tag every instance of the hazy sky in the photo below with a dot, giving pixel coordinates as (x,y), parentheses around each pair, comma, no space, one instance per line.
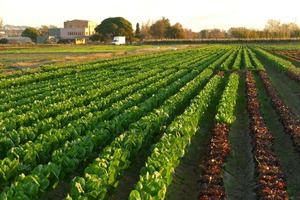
(194,14)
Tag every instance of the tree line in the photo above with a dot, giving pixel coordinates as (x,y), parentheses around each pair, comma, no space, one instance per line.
(273,29)
(163,29)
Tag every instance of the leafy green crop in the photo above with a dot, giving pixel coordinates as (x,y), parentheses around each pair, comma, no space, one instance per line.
(103,173)
(157,173)
(69,146)
(280,63)
(226,107)
(54,120)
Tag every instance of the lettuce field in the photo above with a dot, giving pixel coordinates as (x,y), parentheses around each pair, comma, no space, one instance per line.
(209,122)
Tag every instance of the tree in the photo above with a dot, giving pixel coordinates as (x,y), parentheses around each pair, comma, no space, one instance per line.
(137,31)
(32,33)
(275,29)
(239,32)
(44,30)
(294,30)
(204,34)
(159,28)
(217,33)
(189,34)
(3,41)
(213,34)
(273,25)
(115,26)
(163,29)
(145,30)
(95,37)
(175,32)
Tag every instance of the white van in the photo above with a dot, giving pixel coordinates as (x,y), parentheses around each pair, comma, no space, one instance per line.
(118,40)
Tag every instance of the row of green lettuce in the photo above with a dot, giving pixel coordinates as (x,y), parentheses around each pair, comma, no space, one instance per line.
(237,64)
(280,63)
(226,108)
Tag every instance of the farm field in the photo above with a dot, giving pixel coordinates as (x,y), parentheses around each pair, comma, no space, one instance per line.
(208,122)
(292,55)
(17,59)
(290,52)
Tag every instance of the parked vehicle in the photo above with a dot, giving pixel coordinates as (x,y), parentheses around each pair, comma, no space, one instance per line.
(118,40)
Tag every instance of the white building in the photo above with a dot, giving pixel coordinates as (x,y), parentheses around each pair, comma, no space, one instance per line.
(78,29)
(72,33)
(75,29)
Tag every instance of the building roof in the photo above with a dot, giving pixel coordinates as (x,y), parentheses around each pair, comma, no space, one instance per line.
(77,20)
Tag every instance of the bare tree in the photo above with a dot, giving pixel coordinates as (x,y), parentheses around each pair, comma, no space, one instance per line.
(275,29)
(145,30)
(273,25)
